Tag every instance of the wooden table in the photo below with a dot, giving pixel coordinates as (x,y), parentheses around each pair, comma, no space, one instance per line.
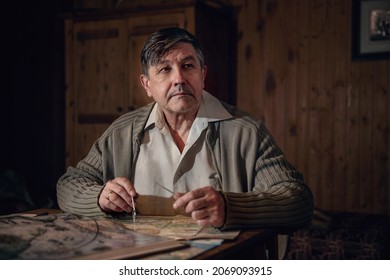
(250,244)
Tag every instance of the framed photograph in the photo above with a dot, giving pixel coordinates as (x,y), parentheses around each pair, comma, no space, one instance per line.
(370,29)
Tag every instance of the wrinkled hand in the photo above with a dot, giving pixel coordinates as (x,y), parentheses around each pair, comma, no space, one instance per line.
(206,206)
(116,195)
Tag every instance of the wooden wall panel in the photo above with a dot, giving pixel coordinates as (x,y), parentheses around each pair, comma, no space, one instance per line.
(338,41)
(379,139)
(316,64)
(250,70)
(352,143)
(330,115)
(365,137)
(291,83)
(303,40)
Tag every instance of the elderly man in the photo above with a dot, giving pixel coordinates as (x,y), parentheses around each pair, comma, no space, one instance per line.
(222,166)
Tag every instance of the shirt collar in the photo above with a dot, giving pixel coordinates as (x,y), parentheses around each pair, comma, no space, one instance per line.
(210,110)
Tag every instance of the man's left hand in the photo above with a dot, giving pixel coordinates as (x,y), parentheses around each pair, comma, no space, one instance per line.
(206,206)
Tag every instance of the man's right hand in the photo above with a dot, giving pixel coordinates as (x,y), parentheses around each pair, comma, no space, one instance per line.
(116,195)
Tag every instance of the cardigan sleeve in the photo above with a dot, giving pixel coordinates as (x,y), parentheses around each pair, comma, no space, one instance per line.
(277,197)
(79,188)
(111,156)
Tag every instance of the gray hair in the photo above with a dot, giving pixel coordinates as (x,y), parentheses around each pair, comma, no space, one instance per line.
(160,42)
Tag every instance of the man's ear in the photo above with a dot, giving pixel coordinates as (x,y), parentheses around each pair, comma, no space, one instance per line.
(145,83)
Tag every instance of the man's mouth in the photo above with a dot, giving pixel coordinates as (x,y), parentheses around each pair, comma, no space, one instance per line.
(180,94)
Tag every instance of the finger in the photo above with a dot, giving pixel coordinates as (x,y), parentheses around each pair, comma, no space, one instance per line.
(209,209)
(186,198)
(126,184)
(205,218)
(196,204)
(176,195)
(115,196)
(119,190)
(111,206)
(200,215)
(116,203)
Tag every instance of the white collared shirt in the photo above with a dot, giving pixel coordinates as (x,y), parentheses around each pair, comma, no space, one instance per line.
(160,161)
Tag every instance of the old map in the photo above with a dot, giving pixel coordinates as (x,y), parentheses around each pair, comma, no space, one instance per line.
(176,227)
(67,236)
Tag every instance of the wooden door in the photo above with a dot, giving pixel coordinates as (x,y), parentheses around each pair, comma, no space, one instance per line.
(97,77)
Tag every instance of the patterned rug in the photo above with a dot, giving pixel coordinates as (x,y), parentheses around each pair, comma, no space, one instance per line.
(342,236)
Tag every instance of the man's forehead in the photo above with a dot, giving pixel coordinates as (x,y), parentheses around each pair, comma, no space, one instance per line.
(181,51)
(167,59)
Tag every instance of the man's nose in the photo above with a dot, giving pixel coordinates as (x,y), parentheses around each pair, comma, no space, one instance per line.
(179,77)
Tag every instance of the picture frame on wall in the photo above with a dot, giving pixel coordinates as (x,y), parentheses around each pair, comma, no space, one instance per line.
(370,29)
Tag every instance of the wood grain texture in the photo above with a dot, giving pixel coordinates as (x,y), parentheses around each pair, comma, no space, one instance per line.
(331,116)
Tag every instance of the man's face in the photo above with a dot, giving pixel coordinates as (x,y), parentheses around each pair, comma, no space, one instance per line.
(176,83)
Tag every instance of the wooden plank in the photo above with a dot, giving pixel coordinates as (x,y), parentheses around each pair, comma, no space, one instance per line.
(379,142)
(365,136)
(100,70)
(303,90)
(269,78)
(274,61)
(259,72)
(250,63)
(291,83)
(352,147)
(316,83)
(97,34)
(352,132)
(326,105)
(280,19)
(242,86)
(340,45)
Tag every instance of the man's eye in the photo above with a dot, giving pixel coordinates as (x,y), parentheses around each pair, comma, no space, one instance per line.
(188,66)
(164,70)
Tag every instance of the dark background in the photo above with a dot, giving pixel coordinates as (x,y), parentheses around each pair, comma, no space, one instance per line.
(32,110)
